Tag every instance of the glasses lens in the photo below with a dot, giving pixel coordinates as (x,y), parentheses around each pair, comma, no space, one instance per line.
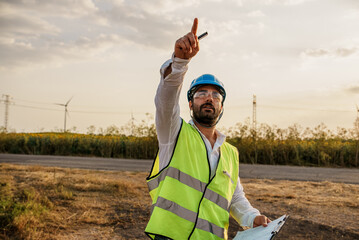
(204,94)
(217,96)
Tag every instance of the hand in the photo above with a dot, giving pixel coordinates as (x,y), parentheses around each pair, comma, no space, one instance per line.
(261,220)
(187,46)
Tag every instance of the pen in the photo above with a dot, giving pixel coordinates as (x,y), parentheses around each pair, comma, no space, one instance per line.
(202,35)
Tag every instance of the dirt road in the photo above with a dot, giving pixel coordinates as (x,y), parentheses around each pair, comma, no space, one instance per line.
(343,175)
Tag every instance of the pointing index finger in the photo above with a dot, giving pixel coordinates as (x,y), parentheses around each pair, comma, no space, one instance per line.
(195,26)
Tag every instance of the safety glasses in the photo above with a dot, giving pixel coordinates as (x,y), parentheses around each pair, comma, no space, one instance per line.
(202,94)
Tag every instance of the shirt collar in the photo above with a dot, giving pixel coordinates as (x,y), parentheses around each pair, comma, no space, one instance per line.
(220,136)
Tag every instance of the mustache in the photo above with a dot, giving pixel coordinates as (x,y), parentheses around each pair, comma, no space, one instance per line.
(210,105)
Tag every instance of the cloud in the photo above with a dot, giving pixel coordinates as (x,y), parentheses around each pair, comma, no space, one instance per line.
(157,7)
(142,26)
(52,32)
(340,52)
(143,22)
(256,13)
(28,36)
(285,2)
(353,89)
(53,52)
(21,26)
(63,8)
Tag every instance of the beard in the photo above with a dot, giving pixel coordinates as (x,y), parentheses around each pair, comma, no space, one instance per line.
(206,114)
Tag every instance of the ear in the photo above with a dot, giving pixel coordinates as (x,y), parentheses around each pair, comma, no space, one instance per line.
(190,104)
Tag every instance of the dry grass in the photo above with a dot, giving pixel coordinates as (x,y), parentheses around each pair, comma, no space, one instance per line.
(58,203)
(326,205)
(81,204)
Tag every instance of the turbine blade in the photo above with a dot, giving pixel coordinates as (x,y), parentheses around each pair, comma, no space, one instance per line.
(69,101)
(59,104)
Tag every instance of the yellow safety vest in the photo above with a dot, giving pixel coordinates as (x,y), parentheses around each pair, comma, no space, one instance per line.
(186,202)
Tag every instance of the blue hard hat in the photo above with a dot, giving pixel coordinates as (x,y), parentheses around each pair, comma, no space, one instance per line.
(206,79)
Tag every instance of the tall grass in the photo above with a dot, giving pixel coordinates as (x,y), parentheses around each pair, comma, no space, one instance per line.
(295,146)
(79,145)
(265,145)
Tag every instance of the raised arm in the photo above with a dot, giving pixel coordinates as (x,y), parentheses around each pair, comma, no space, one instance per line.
(168,120)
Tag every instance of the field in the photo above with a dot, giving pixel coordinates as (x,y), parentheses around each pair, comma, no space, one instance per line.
(58,203)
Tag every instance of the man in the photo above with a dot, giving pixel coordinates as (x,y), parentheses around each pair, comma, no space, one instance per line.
(194,182)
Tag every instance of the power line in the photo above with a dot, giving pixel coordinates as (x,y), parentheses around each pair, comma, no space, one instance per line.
(126,113)
(288,108)
(32,105)
(129,113)
(304,109)
(78,106)
(74,111)
(28,101)
(39,108)
(113,113)
(116,112)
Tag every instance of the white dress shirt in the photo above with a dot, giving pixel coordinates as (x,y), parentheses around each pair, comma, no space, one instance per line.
(168,123)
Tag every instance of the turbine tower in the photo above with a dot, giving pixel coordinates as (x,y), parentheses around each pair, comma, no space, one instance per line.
(66,112)
(356,122)
(254,117)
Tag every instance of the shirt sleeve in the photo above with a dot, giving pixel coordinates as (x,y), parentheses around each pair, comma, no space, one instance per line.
(241,210)
(168,120)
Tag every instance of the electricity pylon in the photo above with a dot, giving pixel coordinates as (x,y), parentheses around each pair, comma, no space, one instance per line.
(7,103)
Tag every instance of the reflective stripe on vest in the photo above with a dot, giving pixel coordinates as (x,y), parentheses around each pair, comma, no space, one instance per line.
(189,215)
(191,182)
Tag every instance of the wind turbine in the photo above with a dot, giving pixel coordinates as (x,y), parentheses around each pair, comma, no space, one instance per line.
(66,112)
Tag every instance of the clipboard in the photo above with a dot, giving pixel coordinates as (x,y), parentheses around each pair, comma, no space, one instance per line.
(263,233)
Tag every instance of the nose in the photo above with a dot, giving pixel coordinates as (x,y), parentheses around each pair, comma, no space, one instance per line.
(209,97)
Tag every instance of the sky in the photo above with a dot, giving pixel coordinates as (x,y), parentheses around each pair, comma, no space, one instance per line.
(299,57)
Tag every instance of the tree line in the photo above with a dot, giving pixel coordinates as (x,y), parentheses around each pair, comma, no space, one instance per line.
(264,144)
